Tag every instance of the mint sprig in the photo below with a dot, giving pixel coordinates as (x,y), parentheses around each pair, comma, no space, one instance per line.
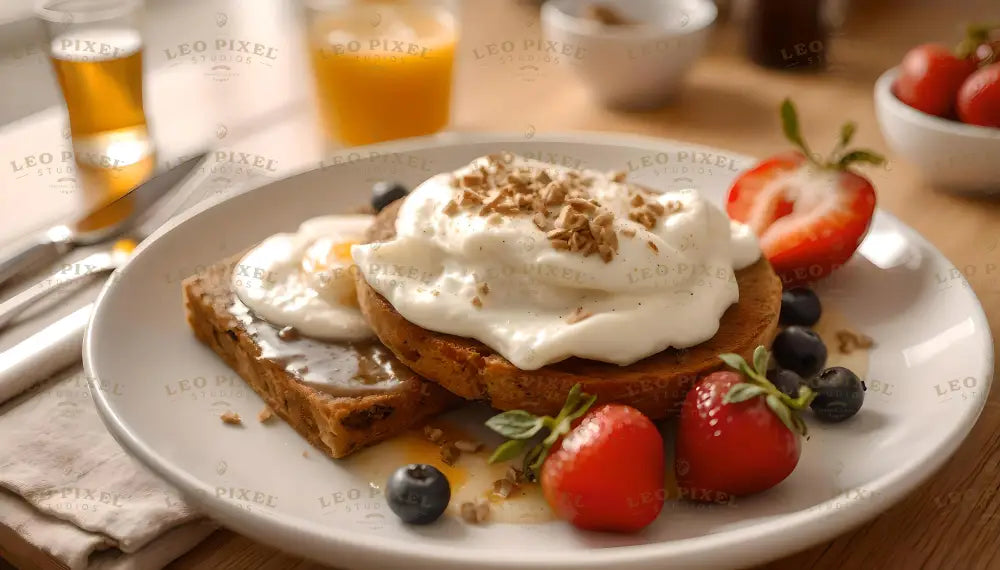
(840,158)
(520,426)
(757,384)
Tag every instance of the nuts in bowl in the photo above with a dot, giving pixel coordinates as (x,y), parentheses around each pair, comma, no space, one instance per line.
(634,53)
(950,154)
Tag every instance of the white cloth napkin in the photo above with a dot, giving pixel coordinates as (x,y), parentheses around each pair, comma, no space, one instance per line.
(75,494)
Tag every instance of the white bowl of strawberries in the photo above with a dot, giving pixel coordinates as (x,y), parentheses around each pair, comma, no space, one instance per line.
(940,110)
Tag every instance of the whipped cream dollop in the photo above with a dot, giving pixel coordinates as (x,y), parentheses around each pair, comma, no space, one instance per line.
(305,279)
(542,262)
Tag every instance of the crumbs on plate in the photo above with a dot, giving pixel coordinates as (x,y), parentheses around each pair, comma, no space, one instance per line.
(232,418)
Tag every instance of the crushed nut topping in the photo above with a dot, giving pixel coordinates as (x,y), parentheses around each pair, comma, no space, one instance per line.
(653,247)
(475,512)
(503,488)
(559,203)
(477,302)
(483,288)
(288,333)
(265,415)
(433,434)
(449,454)
(849,341)
(232,418)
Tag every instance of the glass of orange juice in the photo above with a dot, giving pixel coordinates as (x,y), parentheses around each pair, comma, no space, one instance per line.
(383,69)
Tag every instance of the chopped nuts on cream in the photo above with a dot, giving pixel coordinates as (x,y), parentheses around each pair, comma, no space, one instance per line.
(541,262)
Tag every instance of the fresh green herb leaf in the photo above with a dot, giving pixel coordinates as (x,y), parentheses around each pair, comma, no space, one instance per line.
(516,424)
(508,450)
(742,392)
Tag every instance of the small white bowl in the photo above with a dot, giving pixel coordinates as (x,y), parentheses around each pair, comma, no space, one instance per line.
(951,155)
(638,66)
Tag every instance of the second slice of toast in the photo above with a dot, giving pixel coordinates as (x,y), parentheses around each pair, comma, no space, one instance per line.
(337,425)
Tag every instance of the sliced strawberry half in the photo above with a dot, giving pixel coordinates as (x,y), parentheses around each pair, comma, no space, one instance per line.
(809,215)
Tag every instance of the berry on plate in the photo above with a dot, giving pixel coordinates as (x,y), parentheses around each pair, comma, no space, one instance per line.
(800,306)
(738,434)
(839,394)
(385,193)
(600,469)
(418,493)
(785,380)
(810,214)
(800,350)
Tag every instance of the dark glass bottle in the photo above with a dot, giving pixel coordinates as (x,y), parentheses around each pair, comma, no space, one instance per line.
(787,34)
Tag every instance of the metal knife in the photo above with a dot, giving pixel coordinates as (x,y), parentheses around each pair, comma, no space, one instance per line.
(57,241)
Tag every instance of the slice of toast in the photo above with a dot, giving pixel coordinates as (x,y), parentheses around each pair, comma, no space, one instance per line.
(655,385)
(337,425)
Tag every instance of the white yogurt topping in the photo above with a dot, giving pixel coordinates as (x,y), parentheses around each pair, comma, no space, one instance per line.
(643,301)
(298,279)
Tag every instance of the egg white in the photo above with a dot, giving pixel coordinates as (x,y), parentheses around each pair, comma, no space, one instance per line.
(271,281)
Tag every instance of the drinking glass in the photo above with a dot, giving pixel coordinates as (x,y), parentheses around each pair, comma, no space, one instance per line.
(95,47)
(383,70)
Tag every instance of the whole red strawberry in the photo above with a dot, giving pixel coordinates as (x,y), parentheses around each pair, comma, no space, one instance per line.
(810,214)
(602,472)
(737,434)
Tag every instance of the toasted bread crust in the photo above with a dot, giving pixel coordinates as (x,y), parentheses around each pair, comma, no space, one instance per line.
(655,385)
(338,426)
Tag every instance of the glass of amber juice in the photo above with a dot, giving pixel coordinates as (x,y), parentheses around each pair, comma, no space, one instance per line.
(96,52)
(383,69)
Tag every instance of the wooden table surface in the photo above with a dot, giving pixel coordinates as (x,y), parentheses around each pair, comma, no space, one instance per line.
(953,520)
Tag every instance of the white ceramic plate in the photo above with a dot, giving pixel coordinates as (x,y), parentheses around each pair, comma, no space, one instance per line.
(161,392)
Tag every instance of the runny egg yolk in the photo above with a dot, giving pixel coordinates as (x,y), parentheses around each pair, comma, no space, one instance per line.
(330,261)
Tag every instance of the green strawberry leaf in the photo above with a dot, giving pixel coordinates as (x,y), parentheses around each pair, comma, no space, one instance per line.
(742,392)
(508,450)
(846,134)
(516,424)
(791,420)
(760,359)
(733,360)
(586,402)
(790,126)
(861,155)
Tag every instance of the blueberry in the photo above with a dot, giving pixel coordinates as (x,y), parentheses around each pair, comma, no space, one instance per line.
(385,193)
(418,493)
(799,306)
(839,394)
(800,350)
(785,380)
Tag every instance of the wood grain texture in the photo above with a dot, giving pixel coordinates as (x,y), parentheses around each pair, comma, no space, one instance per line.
(953,520)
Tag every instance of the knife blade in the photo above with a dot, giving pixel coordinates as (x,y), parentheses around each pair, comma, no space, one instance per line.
(92,228)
